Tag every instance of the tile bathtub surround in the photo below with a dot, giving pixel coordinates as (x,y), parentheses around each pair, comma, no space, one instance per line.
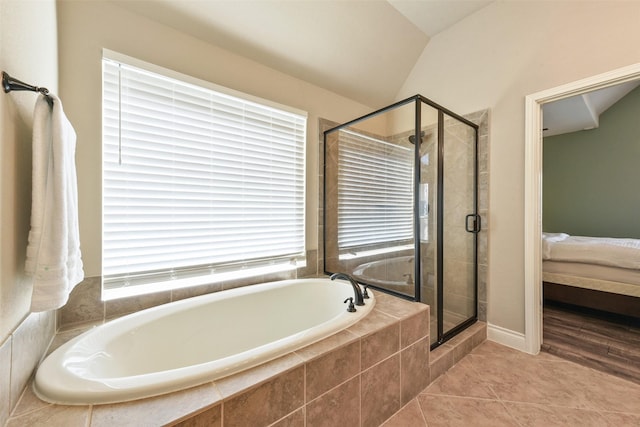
(344,383)
(498,386)
(324,382)
(19,356)
(85,302)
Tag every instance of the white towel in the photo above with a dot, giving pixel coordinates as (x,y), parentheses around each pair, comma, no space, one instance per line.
(53,251)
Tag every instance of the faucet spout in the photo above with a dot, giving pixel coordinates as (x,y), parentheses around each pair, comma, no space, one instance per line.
(358,298)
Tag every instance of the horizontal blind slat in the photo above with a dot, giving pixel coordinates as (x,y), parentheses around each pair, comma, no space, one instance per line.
(375,182)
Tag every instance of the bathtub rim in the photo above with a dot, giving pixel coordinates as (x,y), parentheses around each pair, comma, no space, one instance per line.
(186,382)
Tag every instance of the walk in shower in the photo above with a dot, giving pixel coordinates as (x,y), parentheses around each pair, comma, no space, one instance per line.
(401,208)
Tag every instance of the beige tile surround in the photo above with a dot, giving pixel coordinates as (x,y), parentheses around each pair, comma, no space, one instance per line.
(20,353)
(360,376)
(86,305)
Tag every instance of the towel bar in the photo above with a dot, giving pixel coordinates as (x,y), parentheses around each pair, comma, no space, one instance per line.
(9,83)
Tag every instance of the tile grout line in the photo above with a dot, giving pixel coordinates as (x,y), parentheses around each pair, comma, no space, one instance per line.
(424,417)
(509,413)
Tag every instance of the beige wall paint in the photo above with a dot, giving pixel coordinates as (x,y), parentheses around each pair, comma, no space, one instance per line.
(493,59)
(28,51)
(88,27)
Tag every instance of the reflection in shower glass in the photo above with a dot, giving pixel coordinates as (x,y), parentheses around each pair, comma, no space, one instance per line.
(375,190)
(369,201)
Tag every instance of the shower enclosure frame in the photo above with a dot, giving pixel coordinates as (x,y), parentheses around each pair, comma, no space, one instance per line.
(473,226)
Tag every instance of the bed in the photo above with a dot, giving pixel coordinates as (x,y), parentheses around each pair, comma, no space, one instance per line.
(596,272)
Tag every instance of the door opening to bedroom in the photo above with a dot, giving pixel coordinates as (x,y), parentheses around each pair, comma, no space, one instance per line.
(586,266)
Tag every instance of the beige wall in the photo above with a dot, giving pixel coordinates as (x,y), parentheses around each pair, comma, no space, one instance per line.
(28,51)
(493,59)
(87,27)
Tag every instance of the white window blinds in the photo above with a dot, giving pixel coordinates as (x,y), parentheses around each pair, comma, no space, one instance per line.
(195,181)
(375,202)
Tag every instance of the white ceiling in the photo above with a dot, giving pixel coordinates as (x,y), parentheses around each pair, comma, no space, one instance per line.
(434,16)
(582,112)
(361,49)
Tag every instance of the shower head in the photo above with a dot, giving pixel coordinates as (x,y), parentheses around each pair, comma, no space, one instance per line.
(412,138)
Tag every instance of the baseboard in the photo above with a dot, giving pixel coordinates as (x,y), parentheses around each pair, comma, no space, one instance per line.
(506,337)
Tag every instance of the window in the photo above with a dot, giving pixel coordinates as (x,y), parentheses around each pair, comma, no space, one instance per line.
(197,183)
(375,181)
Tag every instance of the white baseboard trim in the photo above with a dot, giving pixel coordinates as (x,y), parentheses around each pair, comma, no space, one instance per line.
(506,337)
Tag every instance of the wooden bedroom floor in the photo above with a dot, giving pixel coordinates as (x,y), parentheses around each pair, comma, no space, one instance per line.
(605,342)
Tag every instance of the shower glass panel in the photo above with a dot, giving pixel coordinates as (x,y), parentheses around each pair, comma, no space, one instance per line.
(458,224)
(428,212)
(369,200)
(400,209)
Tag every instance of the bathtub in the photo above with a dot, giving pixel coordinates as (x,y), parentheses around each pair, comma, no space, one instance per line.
(194,341)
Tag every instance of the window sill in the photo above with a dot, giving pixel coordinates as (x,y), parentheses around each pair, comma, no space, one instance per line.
(241,273)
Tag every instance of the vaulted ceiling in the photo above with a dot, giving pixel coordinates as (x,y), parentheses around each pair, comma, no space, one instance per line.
(361,49)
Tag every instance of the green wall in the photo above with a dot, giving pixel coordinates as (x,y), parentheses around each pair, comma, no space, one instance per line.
(591,179)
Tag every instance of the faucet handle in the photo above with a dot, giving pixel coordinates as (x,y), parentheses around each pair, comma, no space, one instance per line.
(351,308)
(365,294)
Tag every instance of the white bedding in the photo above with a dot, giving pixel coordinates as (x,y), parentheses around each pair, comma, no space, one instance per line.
(624,253)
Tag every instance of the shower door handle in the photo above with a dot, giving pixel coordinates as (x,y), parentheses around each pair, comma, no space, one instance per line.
(472,226)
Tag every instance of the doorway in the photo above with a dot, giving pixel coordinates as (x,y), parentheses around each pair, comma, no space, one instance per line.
(533,189)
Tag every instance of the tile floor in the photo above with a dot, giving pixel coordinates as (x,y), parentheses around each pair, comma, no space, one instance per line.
(497,386)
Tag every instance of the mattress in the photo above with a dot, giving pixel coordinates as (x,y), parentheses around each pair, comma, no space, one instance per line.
(597,277)
(613,252)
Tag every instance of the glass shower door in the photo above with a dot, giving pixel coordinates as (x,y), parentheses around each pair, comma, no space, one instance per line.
(460,224)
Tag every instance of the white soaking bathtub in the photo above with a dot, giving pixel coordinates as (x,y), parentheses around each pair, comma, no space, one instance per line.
(194,341)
